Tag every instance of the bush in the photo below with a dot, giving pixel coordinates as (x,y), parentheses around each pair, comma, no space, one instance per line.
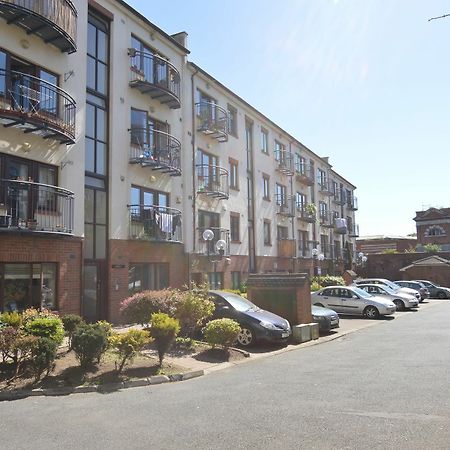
(432,248)
(43,353)
(328,280)
(223,332)
(129,344)
(192,309)
(11,319)
(164,330)
(89,342)
(70,323)
(105,326)
(315,286)
(139,307)
(8,339)
(48,327)
(32,313)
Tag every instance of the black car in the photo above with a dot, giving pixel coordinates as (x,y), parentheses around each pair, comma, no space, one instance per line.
(325,317)
(435,290)
(256,323)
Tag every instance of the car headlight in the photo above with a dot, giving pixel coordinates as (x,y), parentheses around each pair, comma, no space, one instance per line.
(268,325)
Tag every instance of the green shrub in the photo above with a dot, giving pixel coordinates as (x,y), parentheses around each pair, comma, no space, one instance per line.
(223,332)
(11,319)
(44,354)
(139,307)
(164,330)
(389,251)
(315,286)
(192,309)
(8,339)
(49,327)
(129,344)
(32,313)
(105,326)
(70,323)
(89,342)
(328,280)
(432,248)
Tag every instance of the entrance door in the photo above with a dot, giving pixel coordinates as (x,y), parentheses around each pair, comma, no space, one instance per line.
(92,295)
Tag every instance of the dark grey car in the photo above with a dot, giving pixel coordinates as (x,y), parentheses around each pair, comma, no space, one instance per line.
(325,317)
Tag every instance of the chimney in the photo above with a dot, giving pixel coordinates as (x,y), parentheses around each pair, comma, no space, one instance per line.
(181,38)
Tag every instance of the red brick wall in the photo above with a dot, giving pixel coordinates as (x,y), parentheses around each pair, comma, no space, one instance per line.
(422,239)
(63,250)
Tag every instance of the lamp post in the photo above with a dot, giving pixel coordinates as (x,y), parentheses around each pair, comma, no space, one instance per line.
(361,260)
(219,250)
(318,258)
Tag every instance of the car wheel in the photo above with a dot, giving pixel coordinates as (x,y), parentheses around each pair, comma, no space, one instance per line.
(371,312)
(441,295)
(399,305)
(246,337)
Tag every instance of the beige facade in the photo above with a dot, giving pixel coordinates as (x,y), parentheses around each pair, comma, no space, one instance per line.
(154,152)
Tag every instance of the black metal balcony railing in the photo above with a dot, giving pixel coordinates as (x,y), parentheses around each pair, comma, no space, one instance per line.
(209,247)
(155,223)
(155,76)
(304,249)
(324,187)
(353,230)
(54,21)
(213,181)
(284,162)
(25,205)
(284,205)
(212,120)
(337,253)
(340,225)
(304,174)
(339,197)
(352,203)
(155,149)
(36,106)
(306,215)
(326,219)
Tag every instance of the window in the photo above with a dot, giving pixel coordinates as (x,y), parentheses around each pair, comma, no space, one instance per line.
(266,187)
(207,171)
(281,196)
(235,280)
(264,141)
(267,238)
(234,227)
(324,244)
(97,56)
(322,177)
(279,151)
(215,280)
(335,188)
(300,164)
(300,201)
(150,276)
(435,230)
(323,211)
(234,174)
(28,286)
(302,236)
(232,120)
(282,233)
(337,250)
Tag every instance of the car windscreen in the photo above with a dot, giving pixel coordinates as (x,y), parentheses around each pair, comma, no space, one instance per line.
(392,285)
(239,303)
(389,290)
(361,292)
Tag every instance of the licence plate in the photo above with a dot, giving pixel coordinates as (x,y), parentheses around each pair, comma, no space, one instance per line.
(334,322)
(284,335)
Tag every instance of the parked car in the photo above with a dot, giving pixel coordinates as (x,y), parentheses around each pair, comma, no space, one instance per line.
(400,299)
(389,283)
(435,290)
(325,317)
(353,301)
(256,323)
(416,285)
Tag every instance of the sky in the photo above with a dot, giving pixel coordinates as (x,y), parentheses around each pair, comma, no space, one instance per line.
(364,82)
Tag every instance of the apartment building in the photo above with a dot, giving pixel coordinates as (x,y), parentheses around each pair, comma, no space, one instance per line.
(125,167)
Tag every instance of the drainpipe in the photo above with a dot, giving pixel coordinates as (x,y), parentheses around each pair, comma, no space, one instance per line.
(293,219)
(193,165)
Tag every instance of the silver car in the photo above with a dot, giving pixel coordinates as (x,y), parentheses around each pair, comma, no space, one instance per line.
(390,284)
(353,301)
(400,299)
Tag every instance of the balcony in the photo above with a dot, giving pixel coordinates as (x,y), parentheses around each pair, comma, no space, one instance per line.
(54,21)
(284,163)
(155,149)
(155,223)
(353,230)
(305,175)
(36,106)
(209,247)
(212,120)
(306,215)
(35,207)
(339,198)
(352,203)
(155,77)
(212,181)
(285,206)
(326,219)
(286,248)
(340,225)
(325,187)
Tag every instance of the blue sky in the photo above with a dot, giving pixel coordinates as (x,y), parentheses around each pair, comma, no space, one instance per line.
(364,82)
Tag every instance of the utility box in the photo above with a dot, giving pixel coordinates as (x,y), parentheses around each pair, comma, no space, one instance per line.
(301,333)
(314,330)
(285,294)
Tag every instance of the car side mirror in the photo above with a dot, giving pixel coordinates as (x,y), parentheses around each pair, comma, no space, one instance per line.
(354,296)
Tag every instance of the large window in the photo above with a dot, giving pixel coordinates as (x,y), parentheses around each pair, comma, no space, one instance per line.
(149,276)
(234,227)
(300,201)
(264,141)
(97,56)
(282,232)
(232,120)
(303,243)
(25,286)
(279,151)
(266,186)
(234,173)
(281,194)
(267,237)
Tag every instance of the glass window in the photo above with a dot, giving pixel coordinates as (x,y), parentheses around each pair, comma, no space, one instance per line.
(89,151)
(282,232)
(235,280)
(90,73)
(100,241)
(264,141)
(267,240)
(2,73)
(234,227)
(233,164)
(232,120)
(151,276)
(266,187)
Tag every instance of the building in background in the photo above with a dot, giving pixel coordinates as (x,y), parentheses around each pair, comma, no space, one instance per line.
(385,244)
(125,167)
(433,227)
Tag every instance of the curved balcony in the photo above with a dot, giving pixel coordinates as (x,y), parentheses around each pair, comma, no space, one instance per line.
(352,203)
(155,149)
(339,197)
(325,187)
(36,106)
(284,162)
(305,175)
(353,230)
(326,219)
(213,181)
(306,215)
(284,205)
(155,77)
(209,247)
(54,21)
(340,225)
(212,120)
(155,223)
(35,207)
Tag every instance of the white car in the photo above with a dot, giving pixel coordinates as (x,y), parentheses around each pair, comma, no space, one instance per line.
(400,299)
(390,284)
(353,301)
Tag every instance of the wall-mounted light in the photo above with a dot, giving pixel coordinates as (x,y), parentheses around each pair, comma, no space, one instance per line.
(26,147)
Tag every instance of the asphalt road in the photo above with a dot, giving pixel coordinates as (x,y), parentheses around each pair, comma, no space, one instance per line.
(383,387)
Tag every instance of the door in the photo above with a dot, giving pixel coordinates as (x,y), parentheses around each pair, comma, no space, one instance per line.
(92,307)
(331,298)
(351,302)
(17,195)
